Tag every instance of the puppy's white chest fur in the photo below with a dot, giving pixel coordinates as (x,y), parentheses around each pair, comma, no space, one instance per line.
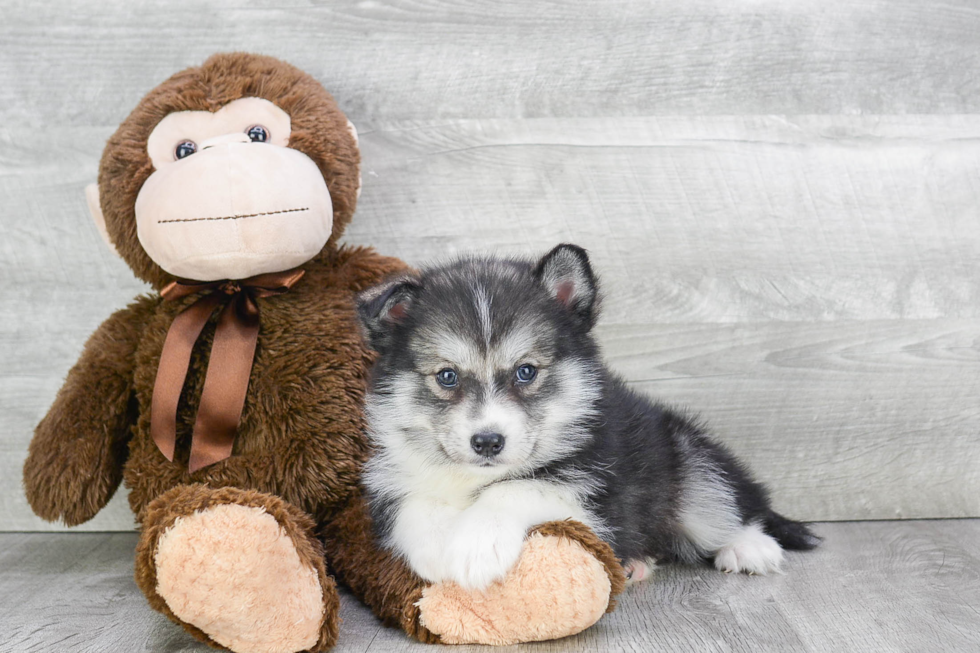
(451,525)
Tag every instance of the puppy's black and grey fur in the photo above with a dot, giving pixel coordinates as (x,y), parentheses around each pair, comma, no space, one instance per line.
(491,411)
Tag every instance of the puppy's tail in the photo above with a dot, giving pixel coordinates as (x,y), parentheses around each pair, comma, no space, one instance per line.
(792,535)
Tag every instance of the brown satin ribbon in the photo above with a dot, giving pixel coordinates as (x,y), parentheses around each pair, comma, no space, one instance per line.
(229,367)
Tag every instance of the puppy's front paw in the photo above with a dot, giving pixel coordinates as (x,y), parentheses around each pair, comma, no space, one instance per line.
(429,563)
(483,549)
(575,572)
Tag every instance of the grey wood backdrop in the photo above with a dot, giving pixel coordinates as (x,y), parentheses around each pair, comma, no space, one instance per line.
(781,198)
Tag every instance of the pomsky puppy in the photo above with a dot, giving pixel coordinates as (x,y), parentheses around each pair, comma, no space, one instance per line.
(491,412)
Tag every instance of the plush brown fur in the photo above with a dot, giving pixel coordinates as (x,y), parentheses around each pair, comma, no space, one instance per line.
(300,442)
(350,548)
(75,461)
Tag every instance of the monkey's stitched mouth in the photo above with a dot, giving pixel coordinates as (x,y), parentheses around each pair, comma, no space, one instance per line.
(234,217)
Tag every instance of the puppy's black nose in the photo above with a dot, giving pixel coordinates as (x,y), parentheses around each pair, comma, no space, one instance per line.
(487,444)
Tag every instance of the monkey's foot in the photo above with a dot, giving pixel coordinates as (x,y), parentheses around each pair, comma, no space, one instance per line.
(239,569)
(564,581)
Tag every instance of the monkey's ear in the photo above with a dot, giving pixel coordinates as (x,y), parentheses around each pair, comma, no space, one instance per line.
(353,132)
(386,305)
(566,274)
(95,208)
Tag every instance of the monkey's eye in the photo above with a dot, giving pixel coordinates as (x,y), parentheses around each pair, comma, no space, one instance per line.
(184,149)
(258,133)
(447,378)
(526,373)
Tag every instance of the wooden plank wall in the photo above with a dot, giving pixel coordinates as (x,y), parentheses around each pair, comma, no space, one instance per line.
(782,198)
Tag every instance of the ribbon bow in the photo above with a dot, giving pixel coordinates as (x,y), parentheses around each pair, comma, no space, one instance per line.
(229,366)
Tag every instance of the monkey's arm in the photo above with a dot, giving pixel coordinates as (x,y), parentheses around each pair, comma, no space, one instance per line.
(74,463)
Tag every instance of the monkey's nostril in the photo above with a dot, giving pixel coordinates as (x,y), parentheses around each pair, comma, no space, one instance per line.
(487,444)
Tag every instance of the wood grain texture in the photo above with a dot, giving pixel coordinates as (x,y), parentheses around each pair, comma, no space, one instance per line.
(423,59)
(870,419)
(825,322)
(882,586)
(781,198)
(701,219)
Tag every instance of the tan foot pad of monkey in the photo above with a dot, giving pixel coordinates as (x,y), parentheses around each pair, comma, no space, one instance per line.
(243,567)
(562,583)
(229,400)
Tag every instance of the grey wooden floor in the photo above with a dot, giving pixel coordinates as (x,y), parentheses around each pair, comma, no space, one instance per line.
(872,586)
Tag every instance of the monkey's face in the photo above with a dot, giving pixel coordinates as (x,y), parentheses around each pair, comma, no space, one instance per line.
(222,171)
(228,198)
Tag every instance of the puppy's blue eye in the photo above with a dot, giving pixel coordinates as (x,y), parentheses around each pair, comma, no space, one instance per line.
(447,378)
(526,373)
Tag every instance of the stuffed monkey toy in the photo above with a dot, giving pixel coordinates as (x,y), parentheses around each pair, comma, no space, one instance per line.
(229,400)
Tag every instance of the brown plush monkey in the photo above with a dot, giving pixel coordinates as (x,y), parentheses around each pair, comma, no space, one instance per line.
(232,409)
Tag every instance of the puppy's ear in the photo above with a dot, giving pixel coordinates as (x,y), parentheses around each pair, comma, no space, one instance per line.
(566,274)
(382,307)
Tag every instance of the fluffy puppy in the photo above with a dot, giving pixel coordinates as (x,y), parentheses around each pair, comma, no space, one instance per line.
(491,412)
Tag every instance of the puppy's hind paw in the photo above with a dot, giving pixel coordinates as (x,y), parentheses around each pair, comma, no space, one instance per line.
(751,551)
(638,570)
